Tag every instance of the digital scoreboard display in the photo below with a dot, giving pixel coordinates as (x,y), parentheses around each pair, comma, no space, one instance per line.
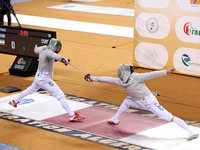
(22,41)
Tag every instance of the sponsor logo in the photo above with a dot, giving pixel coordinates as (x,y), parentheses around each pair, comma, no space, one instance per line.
(188,62)
(190,30)
(25,101)
(20,64)
(192,5)
(2,42)
(152,25)
(196,2)
(21,61)
(151,55)
(185,59)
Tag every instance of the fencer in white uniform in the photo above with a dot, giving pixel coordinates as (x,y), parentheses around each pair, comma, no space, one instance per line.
(140,95)
(43,78)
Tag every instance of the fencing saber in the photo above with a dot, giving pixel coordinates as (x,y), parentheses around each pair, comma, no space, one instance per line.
(82,70)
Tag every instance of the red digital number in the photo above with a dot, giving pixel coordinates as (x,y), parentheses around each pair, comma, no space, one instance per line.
(24,32)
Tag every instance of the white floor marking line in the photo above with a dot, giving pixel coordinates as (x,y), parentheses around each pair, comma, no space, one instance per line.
(96,28)
(96,9)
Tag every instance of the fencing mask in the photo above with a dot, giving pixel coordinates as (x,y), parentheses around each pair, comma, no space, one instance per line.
(124,72)
(55,45)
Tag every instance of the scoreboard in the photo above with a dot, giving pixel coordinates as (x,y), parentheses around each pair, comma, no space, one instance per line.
(22,41)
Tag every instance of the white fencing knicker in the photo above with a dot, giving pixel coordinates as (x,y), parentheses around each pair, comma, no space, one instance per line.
(150,103)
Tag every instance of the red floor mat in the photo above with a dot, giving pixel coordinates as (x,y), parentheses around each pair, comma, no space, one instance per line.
(96,122)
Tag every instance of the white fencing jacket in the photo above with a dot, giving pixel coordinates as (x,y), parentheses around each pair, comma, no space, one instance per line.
(46,58)
(135,86)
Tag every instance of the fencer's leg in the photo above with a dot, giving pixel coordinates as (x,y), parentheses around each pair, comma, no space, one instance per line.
(164,114)
(55,91)
(53,88)
(182,124)
(122,109)
(65,105)
(157,109)
(125,106)
(30,90)
(33,88)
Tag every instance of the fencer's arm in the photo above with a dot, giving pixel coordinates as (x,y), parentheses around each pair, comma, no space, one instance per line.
(105,79)
(55,56)
(48,53)
(152,75)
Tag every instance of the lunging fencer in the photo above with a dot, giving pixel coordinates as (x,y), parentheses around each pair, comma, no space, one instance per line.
(48,54)
(140,95)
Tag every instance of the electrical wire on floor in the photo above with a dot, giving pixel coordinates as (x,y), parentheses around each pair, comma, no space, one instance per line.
(177,100)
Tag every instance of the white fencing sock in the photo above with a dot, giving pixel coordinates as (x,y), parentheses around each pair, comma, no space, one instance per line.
(65,105)
(182,124)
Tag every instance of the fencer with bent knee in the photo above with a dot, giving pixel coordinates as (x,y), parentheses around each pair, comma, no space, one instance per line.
(43,78)
(140,95)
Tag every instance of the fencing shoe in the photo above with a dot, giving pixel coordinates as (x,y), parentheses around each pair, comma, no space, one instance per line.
(113,121)
(76,117)
(13,103)
(193,136)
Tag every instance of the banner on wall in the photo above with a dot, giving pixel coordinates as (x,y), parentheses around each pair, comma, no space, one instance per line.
(167,34)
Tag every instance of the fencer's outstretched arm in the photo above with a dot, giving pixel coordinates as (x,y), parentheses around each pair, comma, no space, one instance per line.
(139,76)
(104,79)
(155,74)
